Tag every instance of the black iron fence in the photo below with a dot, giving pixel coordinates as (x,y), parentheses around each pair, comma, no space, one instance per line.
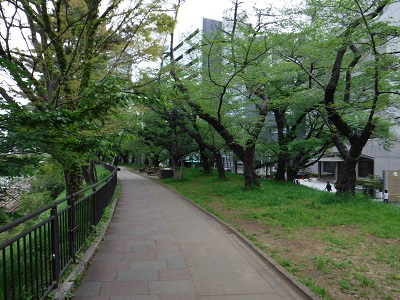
(47,241)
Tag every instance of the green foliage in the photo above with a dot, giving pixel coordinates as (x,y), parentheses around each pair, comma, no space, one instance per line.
(32,201)
(346,225)
(290,206)
(79,78)
(49,178)
(14,164)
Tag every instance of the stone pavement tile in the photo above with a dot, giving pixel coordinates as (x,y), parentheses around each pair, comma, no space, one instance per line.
(144,224)
(165,226)
(167,248)
(140,221)
(243,297)
(161,255)
(124,288)
(95,276)
(171,287)
(174,274)
(118,224)
(134,237)
(163,237)
(88,289)
(91,297)
(137,275)
(118,215)
(166,242)
(170,255)
(111,237)
(148,265)
(141,230)
(136,297)
(117,230)
(115,243)
(121,218)
(178,297)
(164,231)
(111,248)
(142,249)
(108,265)
(138,256)
(139,242)
(107,257)
(176,264)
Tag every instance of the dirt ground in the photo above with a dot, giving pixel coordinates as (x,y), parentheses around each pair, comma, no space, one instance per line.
(326,261)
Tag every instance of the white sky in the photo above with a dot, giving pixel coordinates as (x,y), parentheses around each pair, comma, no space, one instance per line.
(192,11)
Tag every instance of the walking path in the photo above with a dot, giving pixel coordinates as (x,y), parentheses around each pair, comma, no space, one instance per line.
(159,246)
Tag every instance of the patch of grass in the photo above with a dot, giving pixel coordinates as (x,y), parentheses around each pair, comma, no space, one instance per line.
(345,285)
(328,264)
(285,204)
(320,291)
(288,265)
(363,280)
(357,233)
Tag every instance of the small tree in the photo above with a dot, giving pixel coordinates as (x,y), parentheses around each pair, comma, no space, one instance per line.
(352,41)
(58,56)
(162,129)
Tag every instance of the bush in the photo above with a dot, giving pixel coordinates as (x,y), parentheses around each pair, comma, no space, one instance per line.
(49,178)
(33,201)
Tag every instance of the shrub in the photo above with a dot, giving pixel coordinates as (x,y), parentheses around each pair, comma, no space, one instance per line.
(49,178)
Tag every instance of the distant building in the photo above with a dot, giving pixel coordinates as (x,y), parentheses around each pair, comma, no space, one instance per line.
(374,159)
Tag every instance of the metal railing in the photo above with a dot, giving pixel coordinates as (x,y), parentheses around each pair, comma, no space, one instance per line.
(47,241)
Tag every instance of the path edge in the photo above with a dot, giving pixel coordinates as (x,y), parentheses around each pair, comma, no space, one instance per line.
(290,280)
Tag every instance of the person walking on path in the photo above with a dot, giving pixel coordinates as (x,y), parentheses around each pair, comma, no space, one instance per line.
(328,187)
(385,196)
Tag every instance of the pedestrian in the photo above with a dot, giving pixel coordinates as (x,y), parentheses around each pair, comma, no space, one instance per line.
(328,187)
(385,196)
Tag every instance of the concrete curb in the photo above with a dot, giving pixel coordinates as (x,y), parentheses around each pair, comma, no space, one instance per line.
(290,280)
(65,290)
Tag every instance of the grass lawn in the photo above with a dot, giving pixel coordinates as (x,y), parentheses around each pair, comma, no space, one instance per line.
(341,247)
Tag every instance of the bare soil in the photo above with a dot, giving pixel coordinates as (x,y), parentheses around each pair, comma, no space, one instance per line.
(338,263)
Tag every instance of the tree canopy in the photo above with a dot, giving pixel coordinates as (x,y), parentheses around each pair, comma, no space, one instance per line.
(68,63)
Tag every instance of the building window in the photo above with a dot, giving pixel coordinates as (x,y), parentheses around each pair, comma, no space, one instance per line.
(365,167)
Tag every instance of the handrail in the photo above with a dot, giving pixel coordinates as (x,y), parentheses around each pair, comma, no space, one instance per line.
(33,260)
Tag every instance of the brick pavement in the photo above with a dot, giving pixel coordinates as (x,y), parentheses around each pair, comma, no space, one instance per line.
(158,247)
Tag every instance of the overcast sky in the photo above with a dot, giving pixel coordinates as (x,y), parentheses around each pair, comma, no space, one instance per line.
(192,12)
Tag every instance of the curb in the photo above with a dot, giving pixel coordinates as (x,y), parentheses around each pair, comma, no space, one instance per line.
(65,290)
(290,280)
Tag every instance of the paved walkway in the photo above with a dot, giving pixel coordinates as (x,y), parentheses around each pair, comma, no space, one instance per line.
(160,247)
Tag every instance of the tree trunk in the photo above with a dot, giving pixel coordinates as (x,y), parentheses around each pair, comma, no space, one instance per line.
(155,160)
(205,160)
(346,182)
(281,169)
(73,181)
(125,157)
(175,166)
(292,174)
(250,176)
(89,173)
(235,165)
(182,168)
(220,165)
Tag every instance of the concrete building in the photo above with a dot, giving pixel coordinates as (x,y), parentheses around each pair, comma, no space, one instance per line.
(374,160)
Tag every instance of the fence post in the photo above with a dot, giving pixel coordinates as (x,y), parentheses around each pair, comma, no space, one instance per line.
(54,245)
(71,228)
(94,206)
